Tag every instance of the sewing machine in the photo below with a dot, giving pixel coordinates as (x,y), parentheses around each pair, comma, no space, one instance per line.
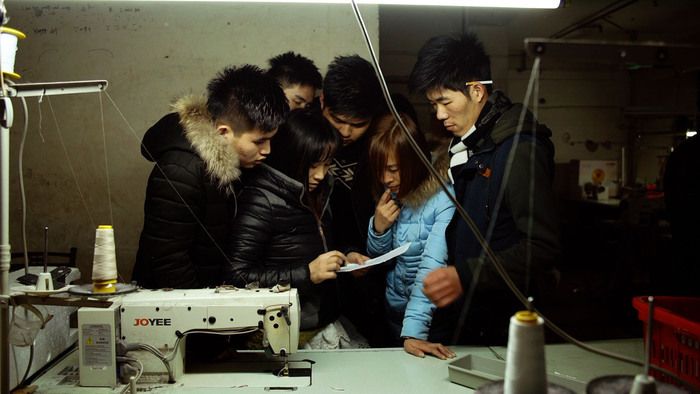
(149,328)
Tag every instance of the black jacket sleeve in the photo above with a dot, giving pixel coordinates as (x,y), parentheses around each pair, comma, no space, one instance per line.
(173,198)
(251,236)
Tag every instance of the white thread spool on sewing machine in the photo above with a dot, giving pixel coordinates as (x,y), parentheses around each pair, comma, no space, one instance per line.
(9,39)
(525,365)
(104,263)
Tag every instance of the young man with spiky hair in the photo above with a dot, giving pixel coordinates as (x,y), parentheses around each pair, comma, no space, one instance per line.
(199,151)
(453,72)
(298,76)
(351,99)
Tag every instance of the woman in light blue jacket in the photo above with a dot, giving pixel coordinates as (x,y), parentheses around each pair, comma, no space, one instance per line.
(411,207)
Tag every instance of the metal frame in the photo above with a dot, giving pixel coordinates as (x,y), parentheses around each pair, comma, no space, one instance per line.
(6,120)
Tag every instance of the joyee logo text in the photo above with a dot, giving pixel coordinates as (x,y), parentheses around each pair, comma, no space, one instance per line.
(152,322)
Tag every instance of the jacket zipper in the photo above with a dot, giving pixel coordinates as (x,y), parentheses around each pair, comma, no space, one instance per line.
(319,224)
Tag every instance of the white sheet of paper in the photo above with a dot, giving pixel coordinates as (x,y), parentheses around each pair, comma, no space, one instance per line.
(377,260)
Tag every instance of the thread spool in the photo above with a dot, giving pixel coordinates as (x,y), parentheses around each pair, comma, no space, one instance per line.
(104,262)
(44,282)
(525,363)
(8,44)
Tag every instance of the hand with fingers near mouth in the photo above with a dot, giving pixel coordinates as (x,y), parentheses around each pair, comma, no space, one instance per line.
(386,213)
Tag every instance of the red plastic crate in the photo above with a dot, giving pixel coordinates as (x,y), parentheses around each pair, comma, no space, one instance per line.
(675,339)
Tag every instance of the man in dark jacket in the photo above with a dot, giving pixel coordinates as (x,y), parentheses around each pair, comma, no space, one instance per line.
(198,151)
(682,188)
(454,74)
(299,77)
(351,99)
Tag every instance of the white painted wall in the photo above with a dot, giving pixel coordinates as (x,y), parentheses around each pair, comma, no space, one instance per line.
(150,53)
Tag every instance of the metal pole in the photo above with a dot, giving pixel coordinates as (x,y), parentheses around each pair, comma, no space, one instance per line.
(19,90)
(5,245)
(650,327)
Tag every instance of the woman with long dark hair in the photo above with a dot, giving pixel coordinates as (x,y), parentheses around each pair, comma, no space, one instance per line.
(280,234)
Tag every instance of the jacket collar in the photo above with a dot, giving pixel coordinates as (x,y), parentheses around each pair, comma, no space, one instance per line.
(221,161)
(499,121)
(430,185)
(290,189)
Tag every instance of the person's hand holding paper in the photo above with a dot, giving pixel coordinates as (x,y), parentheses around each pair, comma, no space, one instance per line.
(377,260)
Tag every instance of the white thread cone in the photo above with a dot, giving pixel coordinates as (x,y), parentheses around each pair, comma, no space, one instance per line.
(104,262)
(525,363)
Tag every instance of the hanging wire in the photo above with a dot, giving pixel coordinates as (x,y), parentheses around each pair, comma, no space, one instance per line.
(531,189)
(70,165)
(104,145)
(22,191)
(41,117)
(138,138)
(460,210)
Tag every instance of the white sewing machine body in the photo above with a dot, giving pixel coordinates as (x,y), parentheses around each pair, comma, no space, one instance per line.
(162,318)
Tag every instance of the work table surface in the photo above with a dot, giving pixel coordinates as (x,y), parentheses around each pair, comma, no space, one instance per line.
(363,371)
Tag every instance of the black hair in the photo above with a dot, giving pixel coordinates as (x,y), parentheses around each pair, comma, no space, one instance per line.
(450,62)
(246,98)
(351,88)
(291,69)
(304,139)
(403,106)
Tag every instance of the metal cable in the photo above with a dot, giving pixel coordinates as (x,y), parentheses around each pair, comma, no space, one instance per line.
(104,145)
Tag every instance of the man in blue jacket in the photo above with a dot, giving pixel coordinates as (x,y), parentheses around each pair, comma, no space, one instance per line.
(454,74)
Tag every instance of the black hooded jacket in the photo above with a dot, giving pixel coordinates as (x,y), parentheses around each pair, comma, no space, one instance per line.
(190,200)
(274,238)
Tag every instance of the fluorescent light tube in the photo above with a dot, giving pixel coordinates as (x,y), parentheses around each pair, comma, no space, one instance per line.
(457,3)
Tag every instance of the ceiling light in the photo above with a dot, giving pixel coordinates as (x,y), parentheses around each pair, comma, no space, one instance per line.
(459,3)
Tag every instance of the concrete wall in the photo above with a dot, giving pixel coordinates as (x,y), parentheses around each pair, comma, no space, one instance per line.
(150,53)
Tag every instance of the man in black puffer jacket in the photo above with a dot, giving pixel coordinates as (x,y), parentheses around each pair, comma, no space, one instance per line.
(198,151)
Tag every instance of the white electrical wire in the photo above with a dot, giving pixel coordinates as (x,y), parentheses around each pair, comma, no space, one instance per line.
(22,191)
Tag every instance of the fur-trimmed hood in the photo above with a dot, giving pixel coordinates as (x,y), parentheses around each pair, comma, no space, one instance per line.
(431,185)
(190,128)
(222,161)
